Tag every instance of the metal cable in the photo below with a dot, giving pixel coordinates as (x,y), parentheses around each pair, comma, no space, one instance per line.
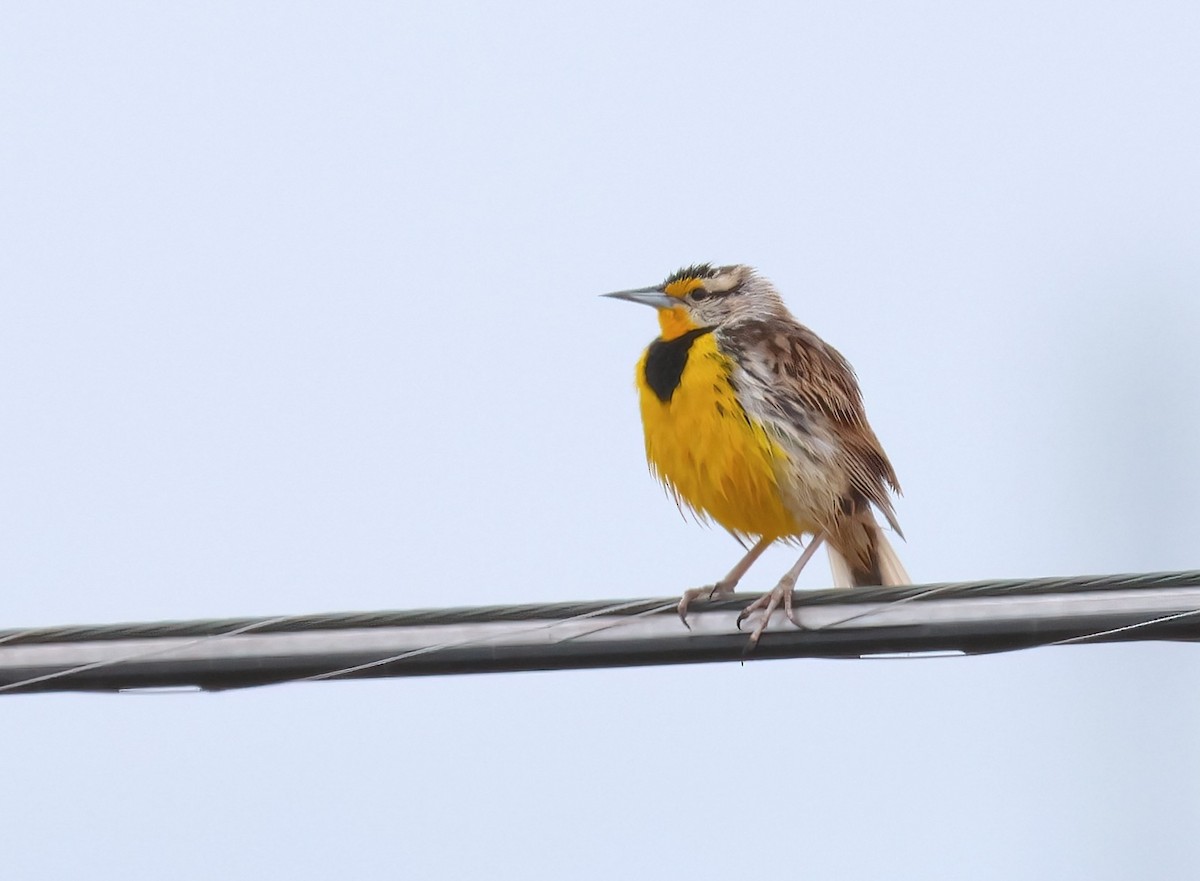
(972,618)
(560,611)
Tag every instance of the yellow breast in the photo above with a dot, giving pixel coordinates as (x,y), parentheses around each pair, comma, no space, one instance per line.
(701,444)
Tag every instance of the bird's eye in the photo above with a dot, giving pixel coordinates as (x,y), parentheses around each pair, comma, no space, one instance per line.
(701,294)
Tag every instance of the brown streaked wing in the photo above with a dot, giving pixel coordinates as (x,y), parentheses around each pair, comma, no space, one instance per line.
(809,376)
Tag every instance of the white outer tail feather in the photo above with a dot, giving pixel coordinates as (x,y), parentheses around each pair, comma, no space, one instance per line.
(890,566)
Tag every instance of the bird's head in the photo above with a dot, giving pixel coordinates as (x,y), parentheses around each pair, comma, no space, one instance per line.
(707,296)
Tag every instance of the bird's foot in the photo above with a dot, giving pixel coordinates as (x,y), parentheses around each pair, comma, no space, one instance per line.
(770,601)
(718,591)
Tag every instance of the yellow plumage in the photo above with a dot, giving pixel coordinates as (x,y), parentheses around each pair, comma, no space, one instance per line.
(706,450)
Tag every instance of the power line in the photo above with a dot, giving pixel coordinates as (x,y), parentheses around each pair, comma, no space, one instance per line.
(966,618)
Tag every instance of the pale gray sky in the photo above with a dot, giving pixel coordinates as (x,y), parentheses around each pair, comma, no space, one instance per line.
(299,314)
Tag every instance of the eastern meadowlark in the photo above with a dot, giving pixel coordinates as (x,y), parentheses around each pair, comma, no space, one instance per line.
(754,421)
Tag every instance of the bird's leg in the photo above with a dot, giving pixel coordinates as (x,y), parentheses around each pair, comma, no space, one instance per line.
(781,593)
(725,586)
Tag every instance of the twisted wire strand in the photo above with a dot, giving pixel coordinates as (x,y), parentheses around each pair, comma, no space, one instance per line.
(546,616)
(136,656)
(573,610)
(442,646)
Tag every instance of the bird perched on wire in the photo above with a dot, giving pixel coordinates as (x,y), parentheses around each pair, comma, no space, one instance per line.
(754,421)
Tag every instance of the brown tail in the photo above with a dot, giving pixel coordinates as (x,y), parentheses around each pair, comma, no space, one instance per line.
(860,555)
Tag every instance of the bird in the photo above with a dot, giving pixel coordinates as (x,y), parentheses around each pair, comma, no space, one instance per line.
(754,422)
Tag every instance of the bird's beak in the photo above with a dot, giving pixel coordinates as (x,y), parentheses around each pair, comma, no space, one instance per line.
(647,297)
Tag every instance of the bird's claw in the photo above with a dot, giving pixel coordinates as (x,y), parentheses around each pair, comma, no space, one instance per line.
(712,592)
(769,602)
